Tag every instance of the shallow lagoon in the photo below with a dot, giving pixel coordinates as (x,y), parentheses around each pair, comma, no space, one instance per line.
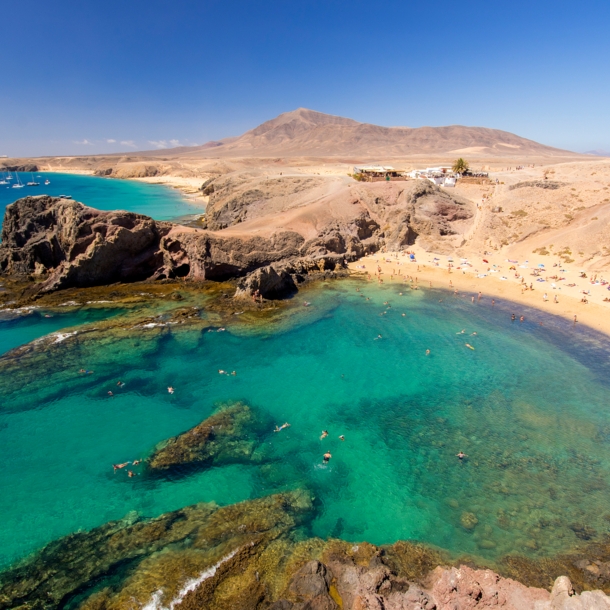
(528,406)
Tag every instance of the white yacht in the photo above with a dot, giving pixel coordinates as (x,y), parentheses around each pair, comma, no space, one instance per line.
(33,182)
(19,184)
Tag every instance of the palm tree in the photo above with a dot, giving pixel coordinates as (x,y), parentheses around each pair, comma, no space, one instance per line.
(460,166)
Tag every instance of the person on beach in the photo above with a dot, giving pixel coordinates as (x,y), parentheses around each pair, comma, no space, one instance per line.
(575,320)
(327,457)
(556,299)
(324,434)
(545,298)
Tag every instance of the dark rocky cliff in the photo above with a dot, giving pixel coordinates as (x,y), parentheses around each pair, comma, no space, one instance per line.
(66,244)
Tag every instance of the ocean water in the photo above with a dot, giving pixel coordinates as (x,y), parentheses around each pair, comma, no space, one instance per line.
(528,406)
(20,327)
(159,202)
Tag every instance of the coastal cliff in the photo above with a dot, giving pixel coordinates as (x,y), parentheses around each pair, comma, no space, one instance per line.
(65,244)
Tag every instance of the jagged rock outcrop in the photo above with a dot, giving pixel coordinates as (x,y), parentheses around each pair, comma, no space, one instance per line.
(77,245)
(224,437)
(20,167)
(67,244)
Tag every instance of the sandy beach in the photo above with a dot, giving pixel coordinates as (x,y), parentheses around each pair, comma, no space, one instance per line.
(496,279)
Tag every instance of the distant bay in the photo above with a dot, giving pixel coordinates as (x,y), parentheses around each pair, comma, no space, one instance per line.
(158,201)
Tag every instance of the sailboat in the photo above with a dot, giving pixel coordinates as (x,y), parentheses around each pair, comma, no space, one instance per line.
(9,177)
(4,180)
(33,182)
(19,184)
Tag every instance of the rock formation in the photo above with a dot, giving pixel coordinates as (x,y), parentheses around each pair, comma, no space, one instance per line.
(224,437)
(278,235)
(252,556)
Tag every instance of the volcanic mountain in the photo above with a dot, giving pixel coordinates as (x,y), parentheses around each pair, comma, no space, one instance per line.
(307,133)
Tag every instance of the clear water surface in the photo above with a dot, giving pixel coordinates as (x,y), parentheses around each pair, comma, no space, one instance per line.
(159,202)
(528,406)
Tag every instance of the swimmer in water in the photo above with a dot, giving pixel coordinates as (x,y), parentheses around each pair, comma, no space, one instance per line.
(82,371)
(461,455)
(427,352)
(513,317)
(280,428)
(473,334)
(170,389)
(119,466)
(130,474)
(461,332)
(521,319)
(377,337)
(110,393)
(221,372)
(135,462)
(327,457)
(341,437)
(233,373)
(469,346)
(324,434)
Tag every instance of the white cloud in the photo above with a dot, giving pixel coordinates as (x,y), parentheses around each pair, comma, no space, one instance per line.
(129,143)
(84,142)
(175,142)
(110,141)
(158,143)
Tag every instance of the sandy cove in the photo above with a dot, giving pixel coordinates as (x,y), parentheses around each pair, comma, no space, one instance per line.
(467,279)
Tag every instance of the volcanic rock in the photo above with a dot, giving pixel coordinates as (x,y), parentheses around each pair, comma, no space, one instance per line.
(222,438)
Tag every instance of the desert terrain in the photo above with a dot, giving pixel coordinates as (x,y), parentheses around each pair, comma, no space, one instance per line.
(294,174)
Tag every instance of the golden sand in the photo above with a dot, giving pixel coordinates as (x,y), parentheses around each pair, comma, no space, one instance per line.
(499,282)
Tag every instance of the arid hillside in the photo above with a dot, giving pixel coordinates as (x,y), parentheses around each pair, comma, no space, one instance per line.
(304,132)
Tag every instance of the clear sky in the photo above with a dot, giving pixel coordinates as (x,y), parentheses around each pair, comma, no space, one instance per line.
(93,76)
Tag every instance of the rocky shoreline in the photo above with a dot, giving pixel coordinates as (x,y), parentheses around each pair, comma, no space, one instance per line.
(258,554)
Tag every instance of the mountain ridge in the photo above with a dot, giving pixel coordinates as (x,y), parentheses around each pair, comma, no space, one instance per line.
(305,132)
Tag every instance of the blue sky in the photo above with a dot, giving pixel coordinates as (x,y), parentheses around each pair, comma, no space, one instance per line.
(86,76)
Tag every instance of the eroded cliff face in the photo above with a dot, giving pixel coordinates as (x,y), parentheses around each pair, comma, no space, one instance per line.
(272,235)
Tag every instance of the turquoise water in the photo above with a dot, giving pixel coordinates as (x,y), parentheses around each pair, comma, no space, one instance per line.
(528,406)
(18,328)
(159,202)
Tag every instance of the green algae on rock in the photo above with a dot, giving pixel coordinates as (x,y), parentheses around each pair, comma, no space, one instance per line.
(195,536)
(224,437)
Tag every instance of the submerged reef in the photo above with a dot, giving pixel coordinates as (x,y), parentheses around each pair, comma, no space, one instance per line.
(146,554)
(256,555)
(224,437)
